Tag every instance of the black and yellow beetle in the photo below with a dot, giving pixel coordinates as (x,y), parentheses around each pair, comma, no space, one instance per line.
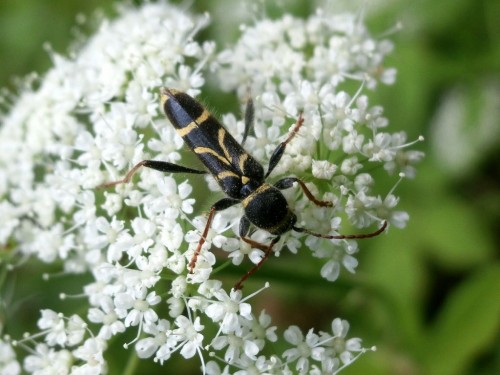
(239,175)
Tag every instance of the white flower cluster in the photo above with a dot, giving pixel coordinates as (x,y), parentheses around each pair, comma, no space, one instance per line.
(295,65)
(96,114)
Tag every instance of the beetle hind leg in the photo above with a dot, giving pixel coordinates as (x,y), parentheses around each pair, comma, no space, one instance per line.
(162,166)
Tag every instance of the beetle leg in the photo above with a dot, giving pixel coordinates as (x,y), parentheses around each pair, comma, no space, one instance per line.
(343,236)
(287,182)
(267,251)
(217,206)
(249,119)
(278,152)
(161,166)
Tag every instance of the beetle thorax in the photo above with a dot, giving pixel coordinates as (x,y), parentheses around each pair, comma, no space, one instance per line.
(267,208)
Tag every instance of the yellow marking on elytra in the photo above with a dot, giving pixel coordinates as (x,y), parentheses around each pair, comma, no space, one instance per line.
(241,162)
(186,129)
(245,180)
(259,190)
(225,174)
(206,150)
(220,139)
(164,96)
(193,124)
(203,117)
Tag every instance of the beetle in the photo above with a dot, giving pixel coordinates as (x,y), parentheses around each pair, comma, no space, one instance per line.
(240,176)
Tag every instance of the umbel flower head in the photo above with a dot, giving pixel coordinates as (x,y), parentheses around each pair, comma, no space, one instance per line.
(97,113)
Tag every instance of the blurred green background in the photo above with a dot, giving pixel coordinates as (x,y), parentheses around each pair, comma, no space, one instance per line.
(428,296)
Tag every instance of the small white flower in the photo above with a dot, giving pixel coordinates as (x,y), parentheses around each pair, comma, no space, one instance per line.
(338,253)
(92,353)
(141,241)
(323,169)
(236,347)
(361,208)
(55,326)
(228,310)
(107,232)
(176,262)
(175,306)
(111,325)
(46,360)
(51,244)
(136,307)
(363,182)
(260,330)
(350,166)
(171,235)
(386,210)
(188,335)
(337,344)
(159,337)
(8,362)
(305,348)
(172,198)
(112,204)
(76,329)
(255,255)
(209,288)
(179,286)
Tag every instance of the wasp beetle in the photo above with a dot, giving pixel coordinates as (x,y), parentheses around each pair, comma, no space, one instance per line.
(240,176)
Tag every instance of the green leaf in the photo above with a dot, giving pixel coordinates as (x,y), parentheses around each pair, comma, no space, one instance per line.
(467,325)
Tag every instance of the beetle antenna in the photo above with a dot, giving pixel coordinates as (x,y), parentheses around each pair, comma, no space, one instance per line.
(342,236)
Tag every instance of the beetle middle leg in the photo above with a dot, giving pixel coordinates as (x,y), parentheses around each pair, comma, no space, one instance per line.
(164,166)
(217,206)
(287,182)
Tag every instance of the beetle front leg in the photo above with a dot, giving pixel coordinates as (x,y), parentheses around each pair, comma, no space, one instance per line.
(279,151)
(267,249)
(249,119)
